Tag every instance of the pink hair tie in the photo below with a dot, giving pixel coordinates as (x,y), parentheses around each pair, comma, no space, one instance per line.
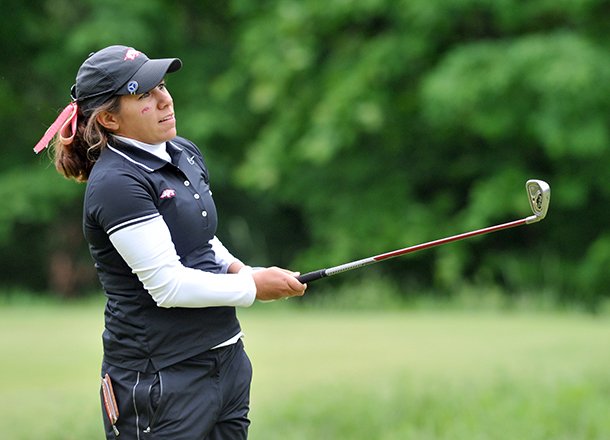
(65,124)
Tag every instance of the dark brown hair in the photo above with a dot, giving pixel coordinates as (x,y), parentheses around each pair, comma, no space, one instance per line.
(75,160)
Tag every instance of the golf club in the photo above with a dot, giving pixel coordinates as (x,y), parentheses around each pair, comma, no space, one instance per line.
(539,196)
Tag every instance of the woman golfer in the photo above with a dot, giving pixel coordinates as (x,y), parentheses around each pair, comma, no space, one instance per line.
(174,365)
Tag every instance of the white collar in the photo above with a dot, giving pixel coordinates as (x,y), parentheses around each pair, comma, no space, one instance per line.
(158,150)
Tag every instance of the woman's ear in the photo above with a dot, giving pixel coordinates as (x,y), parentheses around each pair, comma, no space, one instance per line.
(108,120)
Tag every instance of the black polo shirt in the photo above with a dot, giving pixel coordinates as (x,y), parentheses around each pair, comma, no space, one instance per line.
(127,186)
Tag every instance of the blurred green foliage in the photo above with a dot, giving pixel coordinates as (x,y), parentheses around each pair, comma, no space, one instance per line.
(336,130)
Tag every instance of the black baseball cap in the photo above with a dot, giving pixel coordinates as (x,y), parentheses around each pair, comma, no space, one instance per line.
(118,70)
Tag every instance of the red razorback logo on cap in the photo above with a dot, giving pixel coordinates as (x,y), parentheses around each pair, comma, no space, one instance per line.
(131,54)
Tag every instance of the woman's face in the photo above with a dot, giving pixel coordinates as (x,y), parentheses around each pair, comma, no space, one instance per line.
(148,117)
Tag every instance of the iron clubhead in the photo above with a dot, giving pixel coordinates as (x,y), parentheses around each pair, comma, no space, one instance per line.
(539,196)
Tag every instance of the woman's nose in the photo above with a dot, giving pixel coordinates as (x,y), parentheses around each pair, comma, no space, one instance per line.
(164,98)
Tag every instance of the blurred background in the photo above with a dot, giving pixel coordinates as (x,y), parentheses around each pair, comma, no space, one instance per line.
(335,130)
(341,129)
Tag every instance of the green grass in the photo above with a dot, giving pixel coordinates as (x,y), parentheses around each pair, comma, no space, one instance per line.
(342,375)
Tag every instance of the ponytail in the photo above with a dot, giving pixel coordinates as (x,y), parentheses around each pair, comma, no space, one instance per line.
(75,158)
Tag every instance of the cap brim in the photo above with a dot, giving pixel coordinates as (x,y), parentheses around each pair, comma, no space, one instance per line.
(149,75)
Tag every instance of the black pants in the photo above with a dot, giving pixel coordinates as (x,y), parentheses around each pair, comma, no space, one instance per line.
(203,398)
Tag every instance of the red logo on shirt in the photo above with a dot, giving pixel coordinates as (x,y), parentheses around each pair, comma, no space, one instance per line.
(168,194)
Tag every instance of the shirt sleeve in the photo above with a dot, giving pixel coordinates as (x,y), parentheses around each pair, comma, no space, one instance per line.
(118,200)
(148,249)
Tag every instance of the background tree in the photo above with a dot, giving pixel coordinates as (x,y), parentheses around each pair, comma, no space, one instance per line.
(339,129)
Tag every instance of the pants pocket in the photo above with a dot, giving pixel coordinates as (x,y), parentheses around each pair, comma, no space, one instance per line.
(147,396)
(155,395)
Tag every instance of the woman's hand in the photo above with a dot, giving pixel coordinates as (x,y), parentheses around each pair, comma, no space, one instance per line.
(275,283)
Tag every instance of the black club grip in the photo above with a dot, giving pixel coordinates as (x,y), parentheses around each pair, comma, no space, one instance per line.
(312,276)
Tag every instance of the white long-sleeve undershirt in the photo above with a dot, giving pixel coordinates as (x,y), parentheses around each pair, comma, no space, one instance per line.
(222,254)
(149,251)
